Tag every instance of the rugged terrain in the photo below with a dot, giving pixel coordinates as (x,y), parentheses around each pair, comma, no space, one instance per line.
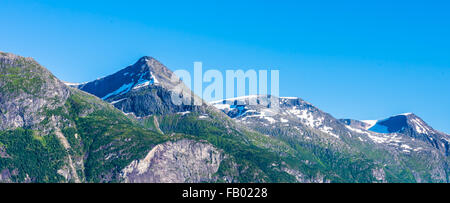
(125,127)
(402,144)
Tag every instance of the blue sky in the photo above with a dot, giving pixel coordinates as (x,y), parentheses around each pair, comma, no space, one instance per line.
(353,59)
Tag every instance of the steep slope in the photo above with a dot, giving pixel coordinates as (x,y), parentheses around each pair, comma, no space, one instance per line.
(26,90)
(27,93)
(301,144)
(144,88)
(425,148)
(412,126)
(300,123)
(250,156)
(52,133)
(80,138)
(292,113)
(358,124)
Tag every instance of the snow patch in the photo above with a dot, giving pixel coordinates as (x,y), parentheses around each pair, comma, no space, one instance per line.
(144,82)
(242,98)
(357,130)
(270,119)
(405,114)
(122,90)
(222,106)
(406,147)
(203,116)
(114,102)
(307,118)
(183,113)
(71,84)
(370,123)
(385,138)
(328,130)
(420,126)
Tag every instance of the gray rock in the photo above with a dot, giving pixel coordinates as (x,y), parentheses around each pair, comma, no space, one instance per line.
(176,162)
(27,89)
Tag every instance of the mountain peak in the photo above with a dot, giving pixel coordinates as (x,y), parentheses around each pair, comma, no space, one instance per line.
(406,114)
(400,123)
(146,58)
(143,64)
(9,59)
(144,72)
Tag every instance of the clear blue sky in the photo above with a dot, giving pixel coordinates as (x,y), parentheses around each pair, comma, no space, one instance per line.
(353,59)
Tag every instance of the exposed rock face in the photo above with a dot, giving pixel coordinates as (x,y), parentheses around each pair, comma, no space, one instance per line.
(146,71)
(301,178)
(3,153)
(409,125)
(28,92)
(26,88)
(153,100)
(289,117)
(72,136)
(379,174)
(5,176)
(407,139)
(418,129)
(144,88)
(176,162)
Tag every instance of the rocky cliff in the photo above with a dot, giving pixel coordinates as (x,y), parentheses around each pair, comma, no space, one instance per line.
(180,161)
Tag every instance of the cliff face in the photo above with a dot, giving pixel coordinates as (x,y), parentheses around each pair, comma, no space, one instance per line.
(26,91)
(176,162)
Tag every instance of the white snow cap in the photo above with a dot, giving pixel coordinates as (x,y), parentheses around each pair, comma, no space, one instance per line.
(405,114)
(370,123)
(288,97)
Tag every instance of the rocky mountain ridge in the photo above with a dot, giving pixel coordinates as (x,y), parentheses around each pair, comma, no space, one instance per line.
(126,128)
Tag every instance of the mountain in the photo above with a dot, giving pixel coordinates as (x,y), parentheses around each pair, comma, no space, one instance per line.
(240,140)
(143,89)
(325,144)
(254,156)
(53,133)
(299,123)
(293,113)
(412,126)
(358,124)
(125,127)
